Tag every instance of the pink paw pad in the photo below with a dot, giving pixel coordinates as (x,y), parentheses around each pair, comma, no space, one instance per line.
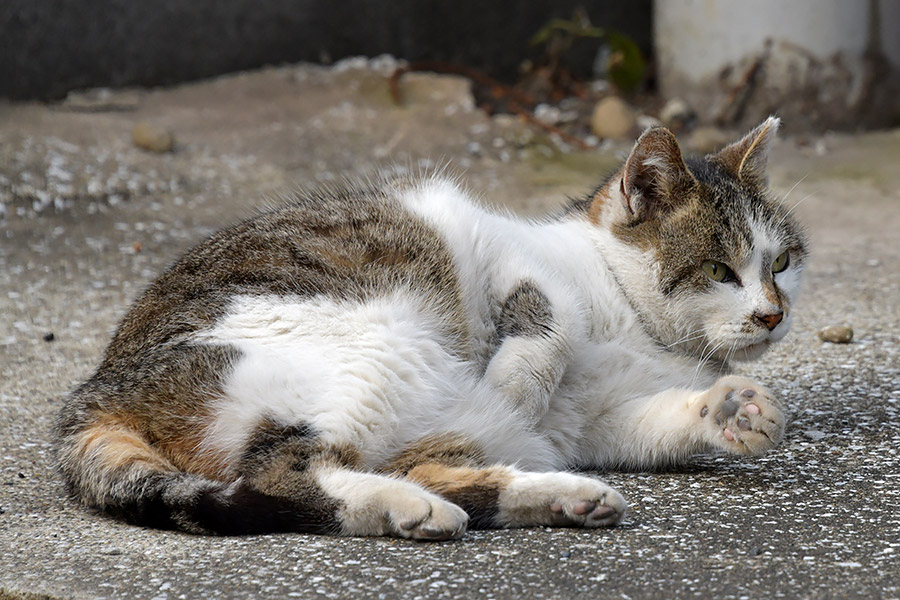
(583,508)
(751,408)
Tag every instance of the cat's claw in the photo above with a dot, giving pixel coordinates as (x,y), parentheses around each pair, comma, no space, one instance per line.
(742,416)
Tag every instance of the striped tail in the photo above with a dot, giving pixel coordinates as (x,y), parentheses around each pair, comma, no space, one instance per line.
(111,467)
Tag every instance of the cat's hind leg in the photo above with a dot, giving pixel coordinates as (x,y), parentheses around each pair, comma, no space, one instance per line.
(373,504)
(292,462)
(497,496)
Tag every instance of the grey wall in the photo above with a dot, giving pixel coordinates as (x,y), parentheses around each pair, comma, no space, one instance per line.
(48,47)
(817,63)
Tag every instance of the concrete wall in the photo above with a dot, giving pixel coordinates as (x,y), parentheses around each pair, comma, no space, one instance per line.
(48,47)
(818,63)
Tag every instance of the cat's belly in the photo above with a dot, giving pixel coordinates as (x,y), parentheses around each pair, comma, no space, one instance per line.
(374,375)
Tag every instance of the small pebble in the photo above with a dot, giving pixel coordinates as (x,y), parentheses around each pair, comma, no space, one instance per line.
(836,334)
(565,554)
(613,118)
(152,137)
(49,337)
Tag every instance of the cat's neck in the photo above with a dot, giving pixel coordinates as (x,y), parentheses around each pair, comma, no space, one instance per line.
(574,250)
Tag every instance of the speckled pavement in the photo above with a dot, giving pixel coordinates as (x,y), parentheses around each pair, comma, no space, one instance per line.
(88,219)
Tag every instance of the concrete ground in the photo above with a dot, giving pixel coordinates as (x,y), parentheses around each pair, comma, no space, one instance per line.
(88,220)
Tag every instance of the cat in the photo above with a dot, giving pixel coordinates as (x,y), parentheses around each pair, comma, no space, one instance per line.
(394,359)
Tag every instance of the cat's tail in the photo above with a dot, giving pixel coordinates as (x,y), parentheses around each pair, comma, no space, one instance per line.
(110,466)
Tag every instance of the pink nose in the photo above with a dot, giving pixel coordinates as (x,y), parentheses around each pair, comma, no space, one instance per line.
(771,321)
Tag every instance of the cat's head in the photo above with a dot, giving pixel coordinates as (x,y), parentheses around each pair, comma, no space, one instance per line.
(709,258)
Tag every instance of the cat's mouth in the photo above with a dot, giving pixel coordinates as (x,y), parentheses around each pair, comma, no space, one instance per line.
(753,351)
(755,345)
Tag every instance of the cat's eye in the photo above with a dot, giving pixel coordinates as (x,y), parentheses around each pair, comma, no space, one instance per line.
(781,263)
(718,271)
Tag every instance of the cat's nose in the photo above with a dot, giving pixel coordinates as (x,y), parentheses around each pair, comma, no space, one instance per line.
(771,320)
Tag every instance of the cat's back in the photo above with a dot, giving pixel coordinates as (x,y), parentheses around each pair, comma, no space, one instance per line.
(355,242)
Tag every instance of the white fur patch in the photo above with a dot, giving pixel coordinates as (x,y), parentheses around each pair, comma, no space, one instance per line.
(373,374)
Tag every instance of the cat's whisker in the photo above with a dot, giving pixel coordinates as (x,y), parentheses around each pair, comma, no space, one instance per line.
(701,365)
(728,356)
(695,335)
(705,357)
(789,211)
(784,198)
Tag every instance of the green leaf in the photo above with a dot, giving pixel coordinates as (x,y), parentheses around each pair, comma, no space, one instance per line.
(626,66)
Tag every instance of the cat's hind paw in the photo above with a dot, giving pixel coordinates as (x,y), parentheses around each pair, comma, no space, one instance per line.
(426,518)
(741,416)
(560,500)
(380,505)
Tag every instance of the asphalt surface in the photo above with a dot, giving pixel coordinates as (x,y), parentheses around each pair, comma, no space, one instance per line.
(87,220)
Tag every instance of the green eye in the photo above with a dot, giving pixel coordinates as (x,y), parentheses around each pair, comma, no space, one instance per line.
(781,263)
(718,271)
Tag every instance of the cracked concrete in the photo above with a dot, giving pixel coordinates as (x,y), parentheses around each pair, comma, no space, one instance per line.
(88,220)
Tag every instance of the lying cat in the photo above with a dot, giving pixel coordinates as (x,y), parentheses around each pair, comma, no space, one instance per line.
(396,360)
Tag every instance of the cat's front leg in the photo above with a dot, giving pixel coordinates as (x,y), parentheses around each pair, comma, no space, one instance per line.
(735,414)
(534,351)
(740,416)
(526,372)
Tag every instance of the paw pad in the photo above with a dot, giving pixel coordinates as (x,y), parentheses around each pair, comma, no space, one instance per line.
(745,418)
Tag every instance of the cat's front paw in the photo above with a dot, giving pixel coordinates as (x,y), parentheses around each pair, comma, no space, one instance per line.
(741,416)
(560,500)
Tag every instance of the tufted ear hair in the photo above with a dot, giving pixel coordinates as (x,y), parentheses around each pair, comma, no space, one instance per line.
(654,174)
(748,157)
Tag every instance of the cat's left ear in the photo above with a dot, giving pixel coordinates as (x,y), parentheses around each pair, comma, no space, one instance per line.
(747,158)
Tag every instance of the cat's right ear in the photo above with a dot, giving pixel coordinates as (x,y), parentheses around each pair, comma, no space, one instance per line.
(654,176)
